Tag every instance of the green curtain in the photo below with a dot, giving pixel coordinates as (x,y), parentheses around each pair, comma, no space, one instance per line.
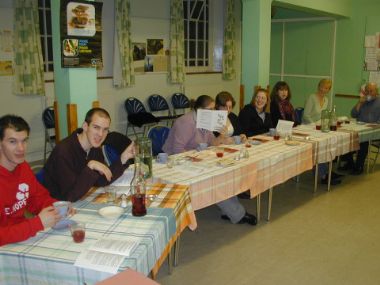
(124,73)
(28,61)
(229,50)
(177,52)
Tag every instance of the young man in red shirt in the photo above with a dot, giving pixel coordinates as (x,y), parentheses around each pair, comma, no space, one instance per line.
(19,189)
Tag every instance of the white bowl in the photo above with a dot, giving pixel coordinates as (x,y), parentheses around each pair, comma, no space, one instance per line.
(111,212)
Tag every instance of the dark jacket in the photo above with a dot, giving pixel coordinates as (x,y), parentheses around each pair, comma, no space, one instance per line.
(67,176)
(250,122)
(276,114)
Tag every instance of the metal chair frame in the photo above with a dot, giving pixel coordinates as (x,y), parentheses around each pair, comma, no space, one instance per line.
(180,102)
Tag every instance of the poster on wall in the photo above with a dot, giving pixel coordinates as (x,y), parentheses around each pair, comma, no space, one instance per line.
(81,34)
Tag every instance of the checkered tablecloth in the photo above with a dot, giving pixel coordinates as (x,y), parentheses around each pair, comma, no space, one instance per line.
(327,146)
(213,179)
(48,258)
(366,132)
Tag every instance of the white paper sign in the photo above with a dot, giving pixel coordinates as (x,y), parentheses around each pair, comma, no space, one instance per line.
(212,120)
(284,127)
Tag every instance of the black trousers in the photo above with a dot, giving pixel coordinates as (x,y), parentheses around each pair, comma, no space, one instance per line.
(360,158)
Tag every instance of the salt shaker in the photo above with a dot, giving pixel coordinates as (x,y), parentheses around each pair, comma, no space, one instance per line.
(123,203)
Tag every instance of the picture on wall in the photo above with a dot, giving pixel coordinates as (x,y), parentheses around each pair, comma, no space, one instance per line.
(139,51)
(155,46)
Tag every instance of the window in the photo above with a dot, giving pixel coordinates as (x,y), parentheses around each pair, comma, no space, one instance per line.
(196,28)
(44,13)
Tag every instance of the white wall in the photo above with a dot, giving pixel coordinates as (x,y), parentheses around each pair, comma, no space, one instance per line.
(150,19)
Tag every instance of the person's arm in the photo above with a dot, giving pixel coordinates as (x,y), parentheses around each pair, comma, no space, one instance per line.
(355,112)
(245,120)
(182,134)
(307,112)
(274,113)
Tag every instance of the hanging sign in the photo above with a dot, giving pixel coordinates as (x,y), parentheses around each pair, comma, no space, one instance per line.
(81,34)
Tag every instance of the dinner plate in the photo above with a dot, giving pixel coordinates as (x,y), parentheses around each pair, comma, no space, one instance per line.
(255,142)
(111,212)
(64,224)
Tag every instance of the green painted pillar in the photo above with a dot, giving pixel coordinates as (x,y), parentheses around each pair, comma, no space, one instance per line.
(256,29)
(72,85)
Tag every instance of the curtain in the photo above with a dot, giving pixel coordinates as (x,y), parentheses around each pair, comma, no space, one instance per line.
(177,52)
(229,51)
(28,61)
(123,70)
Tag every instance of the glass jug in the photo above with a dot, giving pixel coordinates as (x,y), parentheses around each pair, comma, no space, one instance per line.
(325,121)
(144,152)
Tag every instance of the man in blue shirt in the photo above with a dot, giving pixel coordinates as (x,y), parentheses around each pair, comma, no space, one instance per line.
(366,110)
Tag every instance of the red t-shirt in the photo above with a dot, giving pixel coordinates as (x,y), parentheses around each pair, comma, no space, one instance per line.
(20,191)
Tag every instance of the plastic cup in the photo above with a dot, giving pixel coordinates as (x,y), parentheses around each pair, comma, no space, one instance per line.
(78,232)
(237,139)
(202,146)
(162,157)
(272,132)
(111,194)
(62,207)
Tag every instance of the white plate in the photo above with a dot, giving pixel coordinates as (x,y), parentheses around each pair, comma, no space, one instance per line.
(111,212)
(255,142)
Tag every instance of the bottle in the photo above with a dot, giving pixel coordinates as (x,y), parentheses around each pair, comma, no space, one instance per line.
(144,151)
(333,119)
(138,188)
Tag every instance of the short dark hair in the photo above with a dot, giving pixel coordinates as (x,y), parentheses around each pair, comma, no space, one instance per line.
(280,85)
(13,122)
(202,102)
(100,111)
(222,98)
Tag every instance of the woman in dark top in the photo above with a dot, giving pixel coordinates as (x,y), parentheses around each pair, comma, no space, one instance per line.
(225,101)
(280,106)
(252,118)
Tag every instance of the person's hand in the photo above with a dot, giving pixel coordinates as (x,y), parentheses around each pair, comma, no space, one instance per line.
(101,168)
(243,138)
(362,98)
(49,216)
(128,153)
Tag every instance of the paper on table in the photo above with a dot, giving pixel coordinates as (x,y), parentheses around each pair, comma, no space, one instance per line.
(284,127)
(212,120)
(126,178)
(100,261)
(115,246)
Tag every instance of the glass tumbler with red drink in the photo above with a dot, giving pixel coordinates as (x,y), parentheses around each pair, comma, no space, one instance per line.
(138,187)
(78,232)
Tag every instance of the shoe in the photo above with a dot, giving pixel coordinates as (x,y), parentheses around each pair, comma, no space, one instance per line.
(245,195)
(335,181)
(357,171)
(346,167)
(248,219)
(335,175)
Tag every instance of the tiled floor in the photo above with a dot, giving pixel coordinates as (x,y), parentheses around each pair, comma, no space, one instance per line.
(323,238)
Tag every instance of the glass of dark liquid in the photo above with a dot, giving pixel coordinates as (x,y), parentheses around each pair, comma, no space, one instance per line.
(333,128)
(318,127)
(78,232)
(138,205)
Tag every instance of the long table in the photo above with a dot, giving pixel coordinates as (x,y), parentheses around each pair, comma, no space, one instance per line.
(48,258)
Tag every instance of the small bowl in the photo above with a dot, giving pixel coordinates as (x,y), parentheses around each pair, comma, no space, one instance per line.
(111,212)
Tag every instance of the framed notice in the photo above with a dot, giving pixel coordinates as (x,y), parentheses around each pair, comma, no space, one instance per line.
(81,34)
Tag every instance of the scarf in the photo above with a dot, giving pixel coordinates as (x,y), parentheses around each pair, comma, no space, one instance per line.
(286,110)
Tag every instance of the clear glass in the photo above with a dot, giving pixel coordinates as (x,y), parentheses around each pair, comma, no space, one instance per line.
(325,121)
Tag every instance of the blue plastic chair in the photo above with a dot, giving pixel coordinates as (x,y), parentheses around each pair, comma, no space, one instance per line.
(158,136)
(180,101)
(40,175)
(138,116)
(157,103)
(298,114)
(110,154)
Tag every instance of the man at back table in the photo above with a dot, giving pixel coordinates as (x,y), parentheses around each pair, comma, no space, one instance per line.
(366,110)
(77,163)
(19,189)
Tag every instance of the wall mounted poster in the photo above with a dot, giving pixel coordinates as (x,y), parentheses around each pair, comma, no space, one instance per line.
(81,34)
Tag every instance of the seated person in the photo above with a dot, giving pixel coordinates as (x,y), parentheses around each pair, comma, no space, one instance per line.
(317,102)
(280,106)
(184,136)
(20,191)
(252,118)
(366,110)
(77,163)
(225,101)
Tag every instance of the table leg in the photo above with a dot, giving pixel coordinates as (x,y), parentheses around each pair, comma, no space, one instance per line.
(258,202)
(316,178)
(270,194)
(329,176)
(176,250)
(170,261)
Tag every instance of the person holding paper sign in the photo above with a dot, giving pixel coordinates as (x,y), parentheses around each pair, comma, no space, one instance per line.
(253,118)
(280,106)
(185,136)
(225,101)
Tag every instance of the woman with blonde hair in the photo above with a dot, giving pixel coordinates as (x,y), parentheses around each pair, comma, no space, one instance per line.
(317,102)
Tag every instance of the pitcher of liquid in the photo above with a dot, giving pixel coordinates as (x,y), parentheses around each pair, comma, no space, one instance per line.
(325,121)
(144,151)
